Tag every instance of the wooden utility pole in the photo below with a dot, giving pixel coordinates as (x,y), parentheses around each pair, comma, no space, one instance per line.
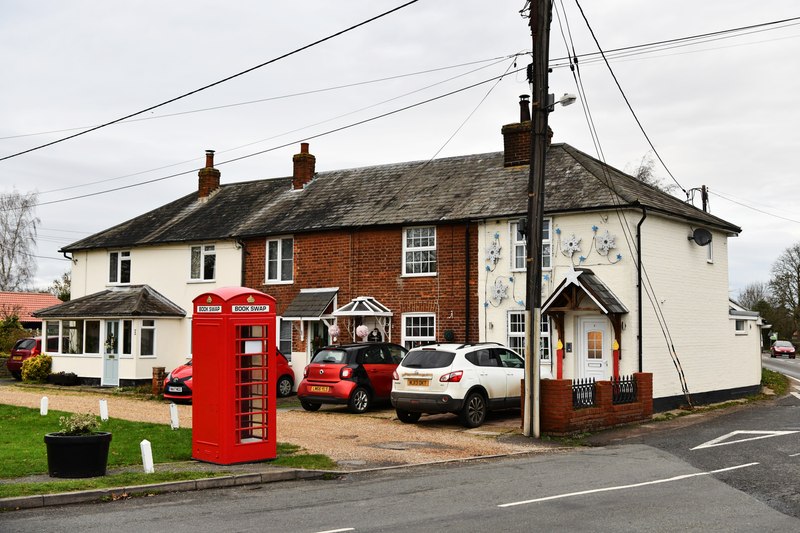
(540,14)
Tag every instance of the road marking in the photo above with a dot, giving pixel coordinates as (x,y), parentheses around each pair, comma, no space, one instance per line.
(794,455)
(796,395)
(338,530)
(623,487)
(759,435)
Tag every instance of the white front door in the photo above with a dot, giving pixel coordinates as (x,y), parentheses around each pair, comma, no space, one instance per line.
(593,354)
(111,355)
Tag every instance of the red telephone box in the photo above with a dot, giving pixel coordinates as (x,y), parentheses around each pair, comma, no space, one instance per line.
(233,391)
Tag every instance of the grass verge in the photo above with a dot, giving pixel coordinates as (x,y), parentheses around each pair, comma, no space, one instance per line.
(23,453)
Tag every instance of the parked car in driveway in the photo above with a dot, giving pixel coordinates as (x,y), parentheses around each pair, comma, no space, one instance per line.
(353,374)
(178,383)
(23,349)
(467,380)
(780,348)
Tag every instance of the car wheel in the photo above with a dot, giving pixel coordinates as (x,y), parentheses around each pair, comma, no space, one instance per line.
(473,413)
(359,400)
(310,406)
(284,386)
(17,375)
(407,417)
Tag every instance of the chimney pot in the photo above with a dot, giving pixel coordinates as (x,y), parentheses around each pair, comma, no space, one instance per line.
(524,108)
(209,158)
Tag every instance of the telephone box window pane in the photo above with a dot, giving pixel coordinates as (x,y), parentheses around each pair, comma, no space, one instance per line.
(252,384)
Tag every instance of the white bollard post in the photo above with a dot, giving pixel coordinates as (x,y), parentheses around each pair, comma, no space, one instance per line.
(103,410)
(147,456)
(43,406)
(173,416)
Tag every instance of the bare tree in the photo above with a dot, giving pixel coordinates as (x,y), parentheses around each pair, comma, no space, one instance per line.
(785,286)
(646,173)
(18,229)
(754,294)
(61,288)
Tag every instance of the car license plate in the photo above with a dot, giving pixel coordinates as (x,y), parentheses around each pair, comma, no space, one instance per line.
(17,358)
(418,382)
(175,389)
(317,388)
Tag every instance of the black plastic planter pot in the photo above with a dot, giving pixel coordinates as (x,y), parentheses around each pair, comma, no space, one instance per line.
(75,456)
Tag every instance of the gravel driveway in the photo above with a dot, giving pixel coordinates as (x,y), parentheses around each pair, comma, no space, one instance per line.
(354,441)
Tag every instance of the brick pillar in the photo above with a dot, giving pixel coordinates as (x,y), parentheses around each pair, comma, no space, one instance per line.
(644,392)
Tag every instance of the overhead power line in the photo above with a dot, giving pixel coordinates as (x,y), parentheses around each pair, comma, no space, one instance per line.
(251,69)
(294,142)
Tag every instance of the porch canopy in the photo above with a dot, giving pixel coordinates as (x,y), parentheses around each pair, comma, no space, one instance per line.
(367,307)
(577,291)
(312,305)
(129,301)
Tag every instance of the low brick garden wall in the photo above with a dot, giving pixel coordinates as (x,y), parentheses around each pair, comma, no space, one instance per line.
(559,417)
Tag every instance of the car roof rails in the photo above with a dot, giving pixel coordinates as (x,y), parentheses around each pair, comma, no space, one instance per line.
(478,344)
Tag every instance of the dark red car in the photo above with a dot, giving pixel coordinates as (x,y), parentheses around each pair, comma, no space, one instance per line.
(23,349)
(779,348)
(352,374)
(178,383)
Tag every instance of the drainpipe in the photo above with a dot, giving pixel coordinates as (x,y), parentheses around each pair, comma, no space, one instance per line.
(245,253)
(639,279)
(467,271)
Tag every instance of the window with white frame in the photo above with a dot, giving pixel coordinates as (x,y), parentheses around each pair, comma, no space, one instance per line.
(544,339)
(147,340)
(280,260)
(419,251)
(515,335)
(91,337)
(519,246)
(204,262)
(285,340)
(741,327)
(419,329)
(515,338)
(119,267)
(710,252)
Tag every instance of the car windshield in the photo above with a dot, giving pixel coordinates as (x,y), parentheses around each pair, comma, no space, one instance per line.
(783,344)
(330,356)
(25,344)
(428,359)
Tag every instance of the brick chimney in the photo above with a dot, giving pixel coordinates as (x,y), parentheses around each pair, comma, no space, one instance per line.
(208,177)
(304,164)
(517,137)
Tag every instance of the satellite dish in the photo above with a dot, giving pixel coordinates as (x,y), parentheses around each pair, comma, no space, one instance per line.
(701,237)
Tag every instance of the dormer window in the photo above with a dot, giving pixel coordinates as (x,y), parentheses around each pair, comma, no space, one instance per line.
(119,267)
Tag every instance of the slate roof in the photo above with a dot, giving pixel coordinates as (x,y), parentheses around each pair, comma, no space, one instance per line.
(443,190)
(134,300)
(310,304)
(23,304)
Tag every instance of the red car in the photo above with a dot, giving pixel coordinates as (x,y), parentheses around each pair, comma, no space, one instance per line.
(178,383)
(782,348)
(23,349)
(352,374)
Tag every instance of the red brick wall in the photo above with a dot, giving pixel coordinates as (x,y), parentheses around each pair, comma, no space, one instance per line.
(368,262)
(558,417)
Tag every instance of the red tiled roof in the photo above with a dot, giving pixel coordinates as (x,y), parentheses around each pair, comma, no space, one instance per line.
(23,304)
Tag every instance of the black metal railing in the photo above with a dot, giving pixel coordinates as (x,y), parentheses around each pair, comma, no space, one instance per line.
(583,393)
(623,390)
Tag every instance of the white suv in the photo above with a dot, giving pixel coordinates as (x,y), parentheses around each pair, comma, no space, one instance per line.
(465,379)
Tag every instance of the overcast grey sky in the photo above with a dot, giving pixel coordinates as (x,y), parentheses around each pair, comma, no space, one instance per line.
(721,112)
